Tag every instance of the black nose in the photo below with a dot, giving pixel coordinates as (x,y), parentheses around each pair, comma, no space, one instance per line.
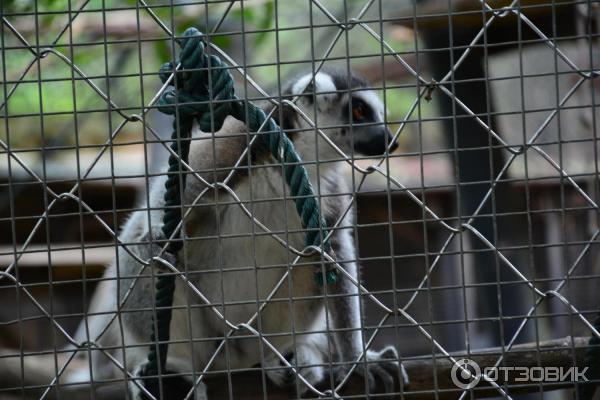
(374,141)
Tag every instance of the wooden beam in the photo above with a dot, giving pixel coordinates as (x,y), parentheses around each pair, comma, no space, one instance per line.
(69,255)
(433,14)
(432,374)
(428,375)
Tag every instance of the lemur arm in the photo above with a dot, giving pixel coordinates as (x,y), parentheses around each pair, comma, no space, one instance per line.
(345,315)
(212,156)
(344,306)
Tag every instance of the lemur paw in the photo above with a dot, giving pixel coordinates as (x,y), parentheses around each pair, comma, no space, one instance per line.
(151,244)
(307,361)
(383,371)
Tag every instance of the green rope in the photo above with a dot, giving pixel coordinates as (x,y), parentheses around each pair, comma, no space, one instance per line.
(209,105)
(165,284)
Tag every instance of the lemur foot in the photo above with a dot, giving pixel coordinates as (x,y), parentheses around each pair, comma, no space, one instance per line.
(383,371)
(175,387)
(306,360)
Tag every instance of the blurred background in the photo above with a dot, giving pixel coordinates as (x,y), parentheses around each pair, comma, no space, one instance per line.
(57,118)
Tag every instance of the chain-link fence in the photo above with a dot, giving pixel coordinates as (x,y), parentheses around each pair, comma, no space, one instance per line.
(475,222)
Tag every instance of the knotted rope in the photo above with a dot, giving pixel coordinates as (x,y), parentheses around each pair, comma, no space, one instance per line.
(205,92)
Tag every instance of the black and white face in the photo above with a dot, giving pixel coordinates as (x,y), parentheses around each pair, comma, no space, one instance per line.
(347,111)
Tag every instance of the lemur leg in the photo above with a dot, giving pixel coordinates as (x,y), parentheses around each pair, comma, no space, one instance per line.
(304,345)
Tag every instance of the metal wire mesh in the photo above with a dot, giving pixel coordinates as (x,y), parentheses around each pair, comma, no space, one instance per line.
(461,236)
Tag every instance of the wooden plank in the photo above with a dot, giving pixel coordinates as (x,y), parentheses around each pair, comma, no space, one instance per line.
(67,260)
(433,14)
(428,375)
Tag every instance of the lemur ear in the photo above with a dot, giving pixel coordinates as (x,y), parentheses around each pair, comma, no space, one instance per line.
(322,87)
(310,88)
(285,117)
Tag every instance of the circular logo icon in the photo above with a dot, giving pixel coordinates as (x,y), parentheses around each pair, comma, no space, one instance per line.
(465,374)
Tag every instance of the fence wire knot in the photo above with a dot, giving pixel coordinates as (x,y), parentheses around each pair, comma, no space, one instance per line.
(431,85)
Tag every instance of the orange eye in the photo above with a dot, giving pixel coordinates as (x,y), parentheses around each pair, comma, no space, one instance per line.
(358,113)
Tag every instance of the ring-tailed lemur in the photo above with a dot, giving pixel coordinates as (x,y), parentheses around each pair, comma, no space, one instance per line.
(235,264)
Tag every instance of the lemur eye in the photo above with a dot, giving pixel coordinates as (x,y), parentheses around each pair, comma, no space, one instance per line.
(358,112)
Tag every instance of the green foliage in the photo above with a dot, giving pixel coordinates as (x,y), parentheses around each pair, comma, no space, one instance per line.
(53,90)
(22,6)
(266,22)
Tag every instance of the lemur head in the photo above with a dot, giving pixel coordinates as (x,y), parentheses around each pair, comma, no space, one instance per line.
(347,111)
